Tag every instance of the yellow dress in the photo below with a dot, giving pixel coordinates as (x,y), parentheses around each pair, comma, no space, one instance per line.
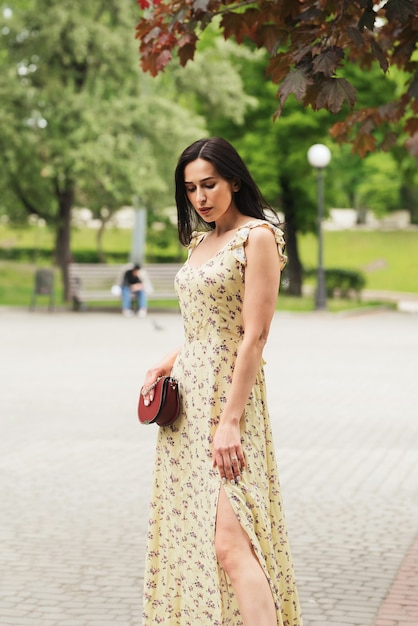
(183,583)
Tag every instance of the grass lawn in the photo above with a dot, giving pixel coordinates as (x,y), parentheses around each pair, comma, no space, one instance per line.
(16,283)
(388,259)
(16,286)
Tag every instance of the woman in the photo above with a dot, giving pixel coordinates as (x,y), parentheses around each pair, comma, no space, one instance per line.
(217,552)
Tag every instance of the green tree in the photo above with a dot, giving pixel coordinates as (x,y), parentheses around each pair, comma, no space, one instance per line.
(308,44)
(80,124)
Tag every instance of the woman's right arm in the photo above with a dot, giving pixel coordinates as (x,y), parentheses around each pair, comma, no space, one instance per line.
(162,368)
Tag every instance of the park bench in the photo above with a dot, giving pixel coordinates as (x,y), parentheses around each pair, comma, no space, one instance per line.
(96,282)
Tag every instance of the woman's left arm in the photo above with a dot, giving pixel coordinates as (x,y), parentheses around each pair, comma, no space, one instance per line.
(262,278)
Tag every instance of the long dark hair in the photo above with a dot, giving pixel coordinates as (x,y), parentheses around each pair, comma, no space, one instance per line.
(228,163)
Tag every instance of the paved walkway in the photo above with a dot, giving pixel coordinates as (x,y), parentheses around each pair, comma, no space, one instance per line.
(75,466)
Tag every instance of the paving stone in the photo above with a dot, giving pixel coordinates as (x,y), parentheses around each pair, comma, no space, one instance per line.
(76,467)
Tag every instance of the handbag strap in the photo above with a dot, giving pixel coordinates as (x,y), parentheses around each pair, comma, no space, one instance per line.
(145,391)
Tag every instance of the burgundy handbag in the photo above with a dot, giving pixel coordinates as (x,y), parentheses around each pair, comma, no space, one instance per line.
(165,407)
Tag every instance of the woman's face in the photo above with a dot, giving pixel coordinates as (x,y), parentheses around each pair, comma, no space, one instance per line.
(210,194)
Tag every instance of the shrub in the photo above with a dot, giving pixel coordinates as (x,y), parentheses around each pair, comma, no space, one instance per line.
(340,282)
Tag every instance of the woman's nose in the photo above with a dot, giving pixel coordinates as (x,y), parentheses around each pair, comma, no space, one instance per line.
(200,195)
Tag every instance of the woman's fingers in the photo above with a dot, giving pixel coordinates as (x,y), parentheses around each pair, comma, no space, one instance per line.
(230,465)
(148,398)
(148,390)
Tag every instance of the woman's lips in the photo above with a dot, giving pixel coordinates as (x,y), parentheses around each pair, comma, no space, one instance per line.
(205,211)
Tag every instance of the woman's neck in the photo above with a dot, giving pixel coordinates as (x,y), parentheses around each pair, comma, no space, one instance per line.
(230,223)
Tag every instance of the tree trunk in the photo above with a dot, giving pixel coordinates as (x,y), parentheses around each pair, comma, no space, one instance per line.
(99,240)
(294,269)
(408,201)
(62,242)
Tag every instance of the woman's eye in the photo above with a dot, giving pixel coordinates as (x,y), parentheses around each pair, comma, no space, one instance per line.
(190,189)
(211,186)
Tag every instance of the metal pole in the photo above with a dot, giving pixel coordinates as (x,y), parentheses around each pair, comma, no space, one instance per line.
(321,294)
(139,236)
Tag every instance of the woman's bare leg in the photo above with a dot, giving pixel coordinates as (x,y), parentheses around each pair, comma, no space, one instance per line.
(236,557)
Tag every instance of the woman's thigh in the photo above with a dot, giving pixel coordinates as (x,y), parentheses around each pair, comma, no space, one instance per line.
(230,537)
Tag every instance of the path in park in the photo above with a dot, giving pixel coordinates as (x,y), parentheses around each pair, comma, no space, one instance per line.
(75,466)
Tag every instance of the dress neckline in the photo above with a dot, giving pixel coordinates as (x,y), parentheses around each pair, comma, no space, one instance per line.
(196,267)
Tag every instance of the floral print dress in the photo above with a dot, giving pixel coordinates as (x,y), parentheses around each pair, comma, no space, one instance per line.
(184,584)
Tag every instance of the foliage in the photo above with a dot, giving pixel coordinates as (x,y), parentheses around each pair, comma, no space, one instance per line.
(309,43)
(80,125)
(212,84)
(380,185)
(86,115)
(341,282)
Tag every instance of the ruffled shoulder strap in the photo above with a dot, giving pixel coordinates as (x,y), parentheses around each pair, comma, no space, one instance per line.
(240,239)
(197,237)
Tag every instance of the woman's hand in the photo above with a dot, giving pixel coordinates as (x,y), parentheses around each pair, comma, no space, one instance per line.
(151,378)
(227,453)
(163,368)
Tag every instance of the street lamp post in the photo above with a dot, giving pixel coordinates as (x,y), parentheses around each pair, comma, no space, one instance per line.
(139,233)
(319,156)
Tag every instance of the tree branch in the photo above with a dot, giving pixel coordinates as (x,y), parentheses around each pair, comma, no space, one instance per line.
(30,208)
(234,7)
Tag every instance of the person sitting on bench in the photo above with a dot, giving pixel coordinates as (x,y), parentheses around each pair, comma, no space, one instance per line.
(133,289)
